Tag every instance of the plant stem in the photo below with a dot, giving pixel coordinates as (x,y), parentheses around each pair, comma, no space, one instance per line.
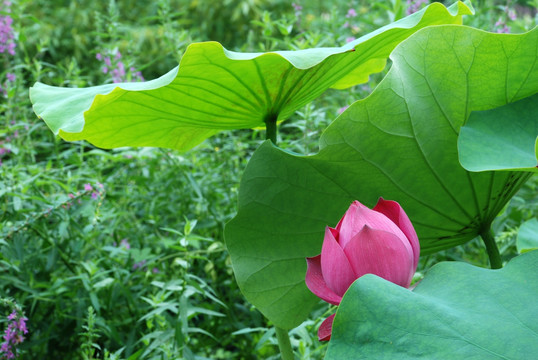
(284,344)
(270,128)
(495,261)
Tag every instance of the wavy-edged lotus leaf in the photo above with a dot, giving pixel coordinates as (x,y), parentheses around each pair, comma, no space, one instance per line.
(214,89)
(505,138)
(399,143)
(458,311)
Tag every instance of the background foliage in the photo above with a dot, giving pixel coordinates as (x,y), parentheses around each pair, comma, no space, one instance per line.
(119,254)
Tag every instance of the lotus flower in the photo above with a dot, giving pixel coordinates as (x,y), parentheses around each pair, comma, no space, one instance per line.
(379,241)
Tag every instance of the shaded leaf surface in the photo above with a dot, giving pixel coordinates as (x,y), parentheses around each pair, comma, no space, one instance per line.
(457,311)
(505,138)
(399,143)
(214,89)
(527,237)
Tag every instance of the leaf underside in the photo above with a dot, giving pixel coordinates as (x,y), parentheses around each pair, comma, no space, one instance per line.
(399,143)
(214,89)
(457,311)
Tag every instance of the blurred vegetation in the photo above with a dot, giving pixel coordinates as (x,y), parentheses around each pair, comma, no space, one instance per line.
(119,254)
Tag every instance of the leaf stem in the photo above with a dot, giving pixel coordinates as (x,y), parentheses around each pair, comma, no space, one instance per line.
(270,128)
(284,344)
(495,261)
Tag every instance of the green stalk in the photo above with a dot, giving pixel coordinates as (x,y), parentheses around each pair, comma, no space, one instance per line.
(495,261)
(270,128)
(284,344)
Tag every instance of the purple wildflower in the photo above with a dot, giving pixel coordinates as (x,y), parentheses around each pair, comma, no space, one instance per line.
(88,187)
(342,109)
(7,34)
(298,9)
(501,27)
(511,14)
(139,265)
(351,13)
(11,77)
(125,243)
(94,195)
(21,325)
(414,5)
(118,73)
(113,65)
(13,335)
(504,30)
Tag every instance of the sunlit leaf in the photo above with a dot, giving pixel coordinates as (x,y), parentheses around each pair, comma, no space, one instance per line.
(399,143)
(214,89)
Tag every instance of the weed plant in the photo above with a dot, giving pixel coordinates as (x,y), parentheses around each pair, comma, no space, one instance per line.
(119,254)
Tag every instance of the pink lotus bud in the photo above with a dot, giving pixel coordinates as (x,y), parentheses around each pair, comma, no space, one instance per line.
(379,241)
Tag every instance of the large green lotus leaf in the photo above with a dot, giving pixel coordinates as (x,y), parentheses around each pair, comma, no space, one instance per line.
(215,89)
(399,143)
(505,138)
(457,311)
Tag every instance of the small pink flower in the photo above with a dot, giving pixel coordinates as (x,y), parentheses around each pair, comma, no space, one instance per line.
(379,241)
(11,48)
(88,187)
(125,243)
(94,195)
(139,265)
(351,13)
(342,109)
(512,15)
